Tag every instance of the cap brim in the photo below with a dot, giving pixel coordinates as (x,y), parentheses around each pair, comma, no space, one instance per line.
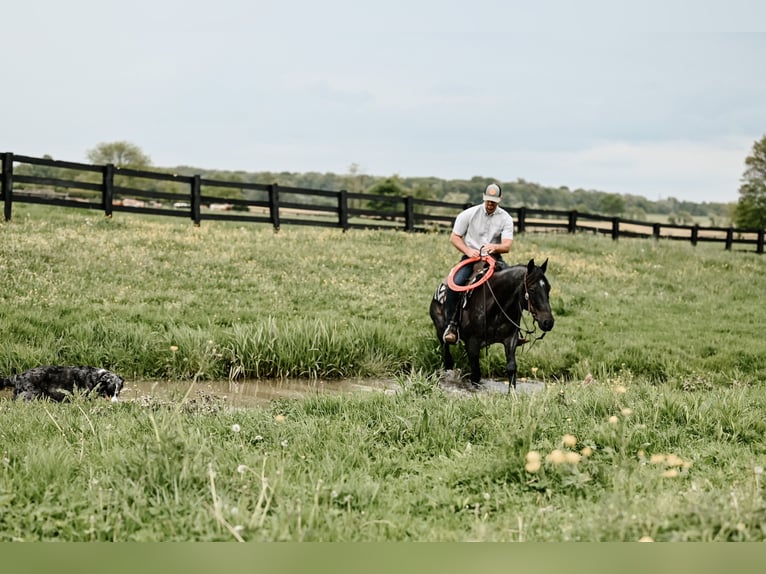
(492,198)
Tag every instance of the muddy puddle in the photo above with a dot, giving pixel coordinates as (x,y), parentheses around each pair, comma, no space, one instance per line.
(251,393)
(254,393)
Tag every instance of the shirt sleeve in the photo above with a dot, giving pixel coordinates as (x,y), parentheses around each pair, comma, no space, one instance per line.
(507,232)
(461,223)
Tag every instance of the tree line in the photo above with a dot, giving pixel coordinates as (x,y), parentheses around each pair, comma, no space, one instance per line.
(748,212)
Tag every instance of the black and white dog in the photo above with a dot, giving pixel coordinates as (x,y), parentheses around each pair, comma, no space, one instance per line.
(60,383)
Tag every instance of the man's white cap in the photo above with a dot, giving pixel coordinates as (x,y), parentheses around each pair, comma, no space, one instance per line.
(493,193)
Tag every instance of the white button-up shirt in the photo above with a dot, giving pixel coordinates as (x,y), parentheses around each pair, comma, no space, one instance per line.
(478,228)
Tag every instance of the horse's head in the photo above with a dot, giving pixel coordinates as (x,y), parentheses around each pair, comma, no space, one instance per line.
(537,289)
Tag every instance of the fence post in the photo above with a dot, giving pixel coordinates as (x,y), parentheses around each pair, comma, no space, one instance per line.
(615,228)
(656,230)
(695,233)
(759,243)
(409,214)
(729,238)
(274,205)
(6,184)
(522,219)
(572,221)
(107,200)
(343,209)
(196,199)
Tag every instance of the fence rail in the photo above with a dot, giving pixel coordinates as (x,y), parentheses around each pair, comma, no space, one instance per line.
(109,188)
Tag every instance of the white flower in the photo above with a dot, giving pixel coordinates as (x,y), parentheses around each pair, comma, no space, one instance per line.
(236,428)
(242,469)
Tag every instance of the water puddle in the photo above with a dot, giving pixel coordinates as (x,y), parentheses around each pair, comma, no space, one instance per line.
(249,393)
(260,392)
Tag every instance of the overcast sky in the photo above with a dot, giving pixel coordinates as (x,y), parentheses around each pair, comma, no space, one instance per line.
(660,99)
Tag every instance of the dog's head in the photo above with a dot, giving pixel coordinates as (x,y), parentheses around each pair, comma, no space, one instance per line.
(109,385)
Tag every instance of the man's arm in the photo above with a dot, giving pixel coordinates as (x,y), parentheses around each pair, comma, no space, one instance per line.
(457,241)
(503,247)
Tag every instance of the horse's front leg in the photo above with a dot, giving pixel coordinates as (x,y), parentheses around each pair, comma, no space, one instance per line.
(473,350)
(510,359)
(449,362)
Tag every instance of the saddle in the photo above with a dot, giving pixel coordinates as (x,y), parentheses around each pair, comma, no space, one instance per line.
(478,271)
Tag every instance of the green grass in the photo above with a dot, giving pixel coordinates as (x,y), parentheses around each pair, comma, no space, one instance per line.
(242,301)
(413,466)
(667,429)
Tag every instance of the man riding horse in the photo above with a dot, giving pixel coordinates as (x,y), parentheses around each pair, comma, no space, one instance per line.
(493,311)
(484,229)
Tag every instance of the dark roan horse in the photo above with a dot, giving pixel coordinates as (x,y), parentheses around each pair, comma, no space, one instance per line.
(493,314)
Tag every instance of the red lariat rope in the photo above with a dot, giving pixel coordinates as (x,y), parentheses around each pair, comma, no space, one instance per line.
(488,259)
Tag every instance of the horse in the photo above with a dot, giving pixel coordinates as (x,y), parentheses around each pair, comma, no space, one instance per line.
(492,314)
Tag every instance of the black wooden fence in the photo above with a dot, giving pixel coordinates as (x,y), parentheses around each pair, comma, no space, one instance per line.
(108,188)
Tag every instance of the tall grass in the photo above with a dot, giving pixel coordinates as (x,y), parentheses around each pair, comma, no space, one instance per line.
(161,299)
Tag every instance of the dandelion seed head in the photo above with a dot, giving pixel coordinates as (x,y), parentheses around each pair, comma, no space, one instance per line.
(756,470)
(613,420)
(626,412)
(173,348)
(657,459)
(280,418)
(532,466)
(569,440)
(236,428)
(242,469)
(620,389)
(533,456)
(586,451)
(284,443)
(571,457)
(555,457)
(674,460)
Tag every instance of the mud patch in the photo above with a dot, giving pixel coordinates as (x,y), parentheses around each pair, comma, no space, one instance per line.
(454,382)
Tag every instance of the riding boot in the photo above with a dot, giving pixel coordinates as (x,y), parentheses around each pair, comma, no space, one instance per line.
(450,335)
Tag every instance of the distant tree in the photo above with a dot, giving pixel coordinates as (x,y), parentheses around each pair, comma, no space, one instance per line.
(121,154)
(612,204)
(392,187)
(750,211)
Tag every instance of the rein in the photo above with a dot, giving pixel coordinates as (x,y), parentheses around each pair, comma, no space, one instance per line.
(529,308)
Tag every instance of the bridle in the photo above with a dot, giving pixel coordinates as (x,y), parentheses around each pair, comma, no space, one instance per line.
(530,308)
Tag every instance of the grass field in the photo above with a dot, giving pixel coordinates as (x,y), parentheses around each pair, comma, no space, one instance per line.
(651,423)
